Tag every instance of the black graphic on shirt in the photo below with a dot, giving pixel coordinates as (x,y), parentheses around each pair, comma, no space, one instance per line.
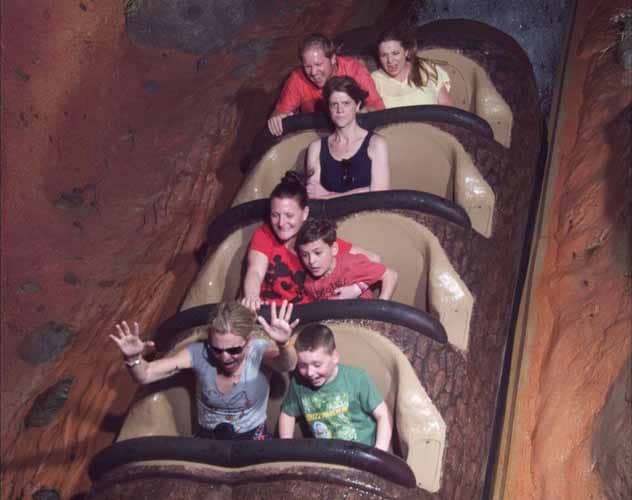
(279,272)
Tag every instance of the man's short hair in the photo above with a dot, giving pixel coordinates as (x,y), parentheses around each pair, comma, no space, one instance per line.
(317,228)
(317,40)
(313,337)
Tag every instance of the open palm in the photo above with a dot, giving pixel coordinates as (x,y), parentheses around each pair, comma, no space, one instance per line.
(279,329)
(129,340)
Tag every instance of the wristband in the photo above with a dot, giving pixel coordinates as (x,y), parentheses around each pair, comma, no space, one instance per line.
(132,364)
(284,344)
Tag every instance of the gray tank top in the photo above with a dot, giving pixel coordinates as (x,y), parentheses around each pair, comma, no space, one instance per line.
(245,405)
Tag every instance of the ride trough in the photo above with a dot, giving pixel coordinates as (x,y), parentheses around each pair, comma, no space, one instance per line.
(456,227)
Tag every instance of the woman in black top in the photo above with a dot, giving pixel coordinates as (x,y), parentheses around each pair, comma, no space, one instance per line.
(352,159)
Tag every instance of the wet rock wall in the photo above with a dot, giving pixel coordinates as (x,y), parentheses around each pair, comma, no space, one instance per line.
(579,332)
(114,156)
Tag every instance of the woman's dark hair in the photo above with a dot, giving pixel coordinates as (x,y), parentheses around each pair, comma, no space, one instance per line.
(423,69)
(347,85)
(317,228)
(317,40)
(292,185)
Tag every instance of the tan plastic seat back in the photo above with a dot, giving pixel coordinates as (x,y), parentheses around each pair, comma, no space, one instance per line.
(473,91)
(424,158)
(426,279)
(221,276)
(421,157)
(289,154)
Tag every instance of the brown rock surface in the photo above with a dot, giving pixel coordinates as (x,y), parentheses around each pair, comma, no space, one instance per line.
(580,323)
(114,157)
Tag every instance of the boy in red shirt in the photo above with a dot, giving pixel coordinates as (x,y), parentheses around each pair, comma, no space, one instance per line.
(329,270)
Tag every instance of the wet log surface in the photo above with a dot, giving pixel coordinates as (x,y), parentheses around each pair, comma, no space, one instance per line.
(265,482)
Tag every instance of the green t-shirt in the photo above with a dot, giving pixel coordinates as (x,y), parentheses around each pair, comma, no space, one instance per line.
(340,409)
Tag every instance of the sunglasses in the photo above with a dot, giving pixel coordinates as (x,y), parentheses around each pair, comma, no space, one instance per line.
(232,351)
(347,178)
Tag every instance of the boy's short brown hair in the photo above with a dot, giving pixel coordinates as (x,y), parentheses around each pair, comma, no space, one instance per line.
(317,228)
(313,337)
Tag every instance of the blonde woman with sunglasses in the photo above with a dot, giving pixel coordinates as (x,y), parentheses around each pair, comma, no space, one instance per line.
(233,392)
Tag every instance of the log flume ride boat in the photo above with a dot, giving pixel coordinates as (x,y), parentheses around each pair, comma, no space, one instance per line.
(456,228)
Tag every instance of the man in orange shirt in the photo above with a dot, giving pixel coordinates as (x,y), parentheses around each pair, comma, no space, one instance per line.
(303,90)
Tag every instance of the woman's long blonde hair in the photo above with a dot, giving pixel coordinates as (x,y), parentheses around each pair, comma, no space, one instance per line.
(423,70)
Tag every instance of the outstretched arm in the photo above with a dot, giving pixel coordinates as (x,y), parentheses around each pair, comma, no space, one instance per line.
(257,266)
(384,426)
(281,356)
(132,347)
(389,282)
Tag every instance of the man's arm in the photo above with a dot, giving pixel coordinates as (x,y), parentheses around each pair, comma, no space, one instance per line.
(384,426)
(286,426)
(275,123)
(389,282)
(289,102)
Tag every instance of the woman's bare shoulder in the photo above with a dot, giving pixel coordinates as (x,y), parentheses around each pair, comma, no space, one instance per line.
(377,141)
(314,146)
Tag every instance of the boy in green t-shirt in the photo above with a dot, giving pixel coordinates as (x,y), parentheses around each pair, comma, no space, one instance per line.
(338,401)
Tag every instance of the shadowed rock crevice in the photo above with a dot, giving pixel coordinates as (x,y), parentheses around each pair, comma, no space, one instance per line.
(45,343)
(197,26)
(612,438)
(48,403)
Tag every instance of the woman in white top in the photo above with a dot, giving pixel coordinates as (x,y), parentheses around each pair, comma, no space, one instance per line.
(406,79)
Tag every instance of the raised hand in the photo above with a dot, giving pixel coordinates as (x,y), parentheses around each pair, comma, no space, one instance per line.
(129,341)
(279,329)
